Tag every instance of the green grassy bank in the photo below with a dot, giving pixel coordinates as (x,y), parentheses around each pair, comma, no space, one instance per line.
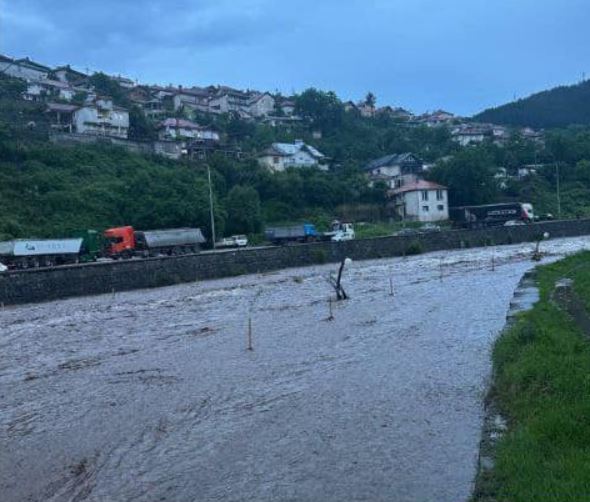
(542,387)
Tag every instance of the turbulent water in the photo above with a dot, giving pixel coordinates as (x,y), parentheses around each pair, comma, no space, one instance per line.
(152,396)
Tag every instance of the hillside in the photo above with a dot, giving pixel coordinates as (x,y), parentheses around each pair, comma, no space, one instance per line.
(559,107)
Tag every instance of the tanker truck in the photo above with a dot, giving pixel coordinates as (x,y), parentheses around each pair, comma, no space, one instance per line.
(126,242)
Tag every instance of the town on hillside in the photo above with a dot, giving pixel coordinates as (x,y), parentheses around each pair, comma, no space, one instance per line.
(177,124)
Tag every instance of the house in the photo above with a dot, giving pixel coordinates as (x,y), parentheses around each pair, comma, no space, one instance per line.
(281,156)
(225,100)
(41,89)
(287,106)
(420,201)
(394,170)
(101,118)
(194,98)
(261,105)
(366,110)
(67,74)
(349,106)
(173,128)
(23,68)
(439,117)
(61,116)
(468,134)
(124,82)
(397,113)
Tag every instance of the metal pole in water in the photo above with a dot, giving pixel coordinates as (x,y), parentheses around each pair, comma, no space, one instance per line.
(211,207)
(441,269)
(250,347)
(331,315)
(391,286)
(494,260)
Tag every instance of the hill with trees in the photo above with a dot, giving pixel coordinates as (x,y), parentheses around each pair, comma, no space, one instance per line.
(559,107)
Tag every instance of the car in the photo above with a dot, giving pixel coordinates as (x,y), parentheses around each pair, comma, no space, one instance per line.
(240,240)
(407,231)
(233,242)
(429,227)
(3,268)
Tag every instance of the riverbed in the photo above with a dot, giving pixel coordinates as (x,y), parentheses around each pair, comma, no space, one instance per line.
(152,395)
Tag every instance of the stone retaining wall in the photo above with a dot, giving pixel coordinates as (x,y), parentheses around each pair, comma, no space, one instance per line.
(96,278)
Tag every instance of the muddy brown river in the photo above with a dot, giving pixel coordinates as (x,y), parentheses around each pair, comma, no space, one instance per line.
(152,396)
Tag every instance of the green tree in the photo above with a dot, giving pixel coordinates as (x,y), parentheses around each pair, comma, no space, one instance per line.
(243,210)
(469,175)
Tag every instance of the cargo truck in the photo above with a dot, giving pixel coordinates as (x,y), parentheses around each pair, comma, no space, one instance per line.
(491,214)
(293,233)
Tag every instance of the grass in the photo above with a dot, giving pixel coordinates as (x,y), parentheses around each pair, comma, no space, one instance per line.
(542,385)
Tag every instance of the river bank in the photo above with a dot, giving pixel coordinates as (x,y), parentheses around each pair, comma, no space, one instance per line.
(536,433)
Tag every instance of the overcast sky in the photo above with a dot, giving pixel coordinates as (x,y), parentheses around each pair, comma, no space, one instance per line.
(460,55)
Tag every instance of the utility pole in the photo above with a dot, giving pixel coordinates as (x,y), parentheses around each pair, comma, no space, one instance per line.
(211,206)
(558,194)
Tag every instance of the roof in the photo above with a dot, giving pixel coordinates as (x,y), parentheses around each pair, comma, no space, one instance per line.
(289,149)
(32,64)
(418,185)
(394,159)
(61,107)
(185,124)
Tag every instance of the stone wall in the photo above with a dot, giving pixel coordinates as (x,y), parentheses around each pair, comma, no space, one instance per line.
(96,278)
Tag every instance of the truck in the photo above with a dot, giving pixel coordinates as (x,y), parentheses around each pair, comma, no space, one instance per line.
(340,232)
(33,253)
(305,232)
(126,242)
(491,214)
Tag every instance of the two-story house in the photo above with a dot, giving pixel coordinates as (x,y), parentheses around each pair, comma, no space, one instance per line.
(102,118)
(174,128)
(261,105)
(23,68)
(281,156)
(420,201)
(395,169)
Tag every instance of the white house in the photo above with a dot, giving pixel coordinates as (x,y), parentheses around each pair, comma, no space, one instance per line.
(395,169)
(261,105)
(23,68)
(173,128)
(102,118)
(281,156)
(421,201)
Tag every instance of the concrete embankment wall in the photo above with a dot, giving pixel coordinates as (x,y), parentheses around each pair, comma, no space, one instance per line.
(97,278)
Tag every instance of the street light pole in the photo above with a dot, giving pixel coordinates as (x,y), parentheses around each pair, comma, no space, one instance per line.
(558,194)
(211,206)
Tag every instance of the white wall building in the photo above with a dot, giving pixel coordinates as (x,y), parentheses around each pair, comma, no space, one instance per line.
(261,105)
(173,128)
(421,201)
(395,170)
(102,119)
(23,68)
(281,156)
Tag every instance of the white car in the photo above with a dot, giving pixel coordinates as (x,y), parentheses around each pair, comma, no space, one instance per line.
(234,241)
(3,268)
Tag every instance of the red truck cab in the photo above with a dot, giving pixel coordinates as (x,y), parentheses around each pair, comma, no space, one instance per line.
(120,241)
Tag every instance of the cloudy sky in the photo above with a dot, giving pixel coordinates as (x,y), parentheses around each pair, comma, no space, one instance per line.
(461,55)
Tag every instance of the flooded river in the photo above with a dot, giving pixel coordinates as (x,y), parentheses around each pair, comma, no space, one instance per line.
(152,396)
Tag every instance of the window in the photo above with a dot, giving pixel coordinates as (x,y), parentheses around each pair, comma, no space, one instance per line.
(275,160)
(424,194)
(440,207)
(439,195)
(425,209)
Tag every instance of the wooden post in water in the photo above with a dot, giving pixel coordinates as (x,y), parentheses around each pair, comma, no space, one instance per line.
(441,269)
(391,286)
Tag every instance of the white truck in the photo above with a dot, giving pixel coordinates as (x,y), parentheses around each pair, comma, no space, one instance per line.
(340,232)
